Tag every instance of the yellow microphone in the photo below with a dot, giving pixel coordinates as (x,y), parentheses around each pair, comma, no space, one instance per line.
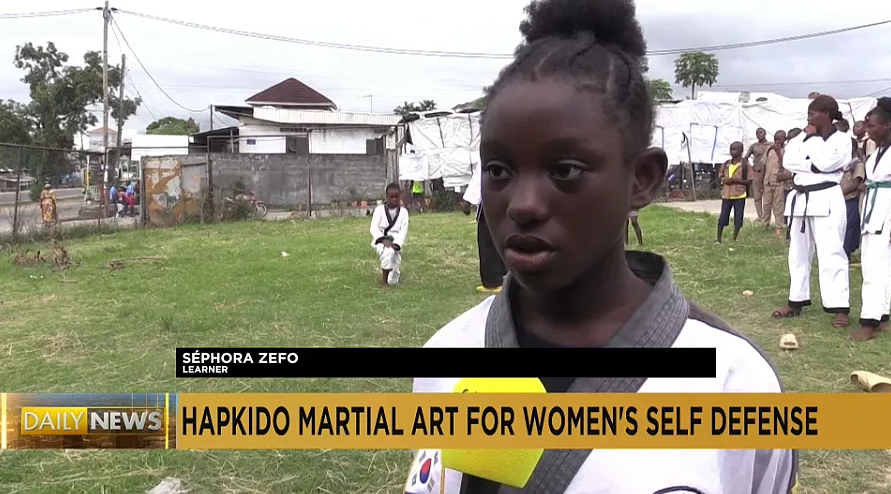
(504,466)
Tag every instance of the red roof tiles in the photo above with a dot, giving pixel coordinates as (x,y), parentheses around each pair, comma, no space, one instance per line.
(291,92)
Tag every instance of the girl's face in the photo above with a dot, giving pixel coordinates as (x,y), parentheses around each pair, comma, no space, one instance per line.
(556,184)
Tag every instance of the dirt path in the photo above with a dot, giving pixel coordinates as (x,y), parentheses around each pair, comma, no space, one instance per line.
(712,206)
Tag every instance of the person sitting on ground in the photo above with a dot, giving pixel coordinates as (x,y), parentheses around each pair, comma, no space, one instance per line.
(736,177)
(565,150)
(389,231)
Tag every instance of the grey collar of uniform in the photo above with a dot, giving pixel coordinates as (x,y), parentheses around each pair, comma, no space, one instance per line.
(656,324)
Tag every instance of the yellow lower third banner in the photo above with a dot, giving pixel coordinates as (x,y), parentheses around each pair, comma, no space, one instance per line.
(445,421)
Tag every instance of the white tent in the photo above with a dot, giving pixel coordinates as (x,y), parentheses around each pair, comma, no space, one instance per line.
(444,146)
(447,146)
(713,122)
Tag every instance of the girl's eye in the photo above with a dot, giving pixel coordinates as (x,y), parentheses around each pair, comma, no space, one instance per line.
(567,171)
(497,171)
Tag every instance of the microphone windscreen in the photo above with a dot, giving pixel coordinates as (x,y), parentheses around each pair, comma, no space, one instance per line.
(511,467)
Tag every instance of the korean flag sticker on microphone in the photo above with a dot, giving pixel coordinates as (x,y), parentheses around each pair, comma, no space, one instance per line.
(426,475)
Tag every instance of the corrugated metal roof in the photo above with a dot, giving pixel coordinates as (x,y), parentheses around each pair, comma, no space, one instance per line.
(317,117)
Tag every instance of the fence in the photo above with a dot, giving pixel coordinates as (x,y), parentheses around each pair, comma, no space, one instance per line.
(185,184)
(192,183)
(28,210)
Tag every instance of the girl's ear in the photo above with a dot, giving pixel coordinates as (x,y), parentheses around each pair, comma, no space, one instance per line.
(649,176)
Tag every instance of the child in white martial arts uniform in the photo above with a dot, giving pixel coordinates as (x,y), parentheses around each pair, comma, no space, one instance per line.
(565,150)
(817,212)
(389,230)
(875,249)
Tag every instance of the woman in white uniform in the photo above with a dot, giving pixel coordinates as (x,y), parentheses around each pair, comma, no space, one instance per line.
(817,213)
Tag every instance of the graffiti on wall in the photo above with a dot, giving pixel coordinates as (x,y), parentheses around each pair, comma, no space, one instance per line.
(173,189)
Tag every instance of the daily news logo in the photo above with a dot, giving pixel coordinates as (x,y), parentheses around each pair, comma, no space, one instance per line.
(80,421)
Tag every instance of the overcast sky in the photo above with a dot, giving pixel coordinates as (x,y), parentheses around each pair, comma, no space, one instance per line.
(198,68)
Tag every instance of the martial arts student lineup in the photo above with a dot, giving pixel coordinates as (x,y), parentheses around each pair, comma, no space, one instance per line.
(825,162)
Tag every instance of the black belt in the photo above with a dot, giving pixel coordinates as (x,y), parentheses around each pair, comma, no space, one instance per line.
(806,190)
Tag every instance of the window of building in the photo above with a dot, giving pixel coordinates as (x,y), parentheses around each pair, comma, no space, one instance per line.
(297,145)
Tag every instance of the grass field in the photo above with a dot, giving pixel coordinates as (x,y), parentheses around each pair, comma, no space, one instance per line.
(99,330)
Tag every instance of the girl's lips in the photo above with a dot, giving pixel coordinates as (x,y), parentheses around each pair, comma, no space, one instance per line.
(528,261)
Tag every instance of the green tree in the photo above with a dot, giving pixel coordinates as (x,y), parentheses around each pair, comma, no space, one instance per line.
(696,69)
(14,125)
(411,107)
(172,126)
(660,90)
(61,97)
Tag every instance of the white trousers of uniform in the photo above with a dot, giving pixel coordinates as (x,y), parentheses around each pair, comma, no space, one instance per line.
(391,259)
(875,258)
(826,235)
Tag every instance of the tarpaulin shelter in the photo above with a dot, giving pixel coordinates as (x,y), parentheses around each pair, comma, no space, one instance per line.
(716,120)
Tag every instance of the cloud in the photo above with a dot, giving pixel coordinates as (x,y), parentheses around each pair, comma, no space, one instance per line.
(198,68)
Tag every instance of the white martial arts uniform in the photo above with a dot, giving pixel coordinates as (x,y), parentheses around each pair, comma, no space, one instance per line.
(875,246)
(817,218)
(666,319)
(392,224)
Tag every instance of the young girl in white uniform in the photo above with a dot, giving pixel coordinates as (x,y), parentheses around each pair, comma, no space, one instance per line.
(565,154)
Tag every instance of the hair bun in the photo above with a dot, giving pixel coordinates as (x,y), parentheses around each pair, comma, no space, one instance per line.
(608,21)
(884,103)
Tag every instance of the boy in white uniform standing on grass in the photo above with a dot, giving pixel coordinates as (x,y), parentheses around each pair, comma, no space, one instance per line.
(389,231)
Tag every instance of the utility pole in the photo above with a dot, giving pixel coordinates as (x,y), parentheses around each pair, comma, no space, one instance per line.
(106,18)
(120,119)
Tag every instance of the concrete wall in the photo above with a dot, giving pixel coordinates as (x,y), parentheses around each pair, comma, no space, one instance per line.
(283,179)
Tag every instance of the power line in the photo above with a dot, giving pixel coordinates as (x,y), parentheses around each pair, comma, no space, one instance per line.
(144,69)
(322,44)
(802,83)
(453,54)
(750,44)
(872,95)
(139,95)
(26,15)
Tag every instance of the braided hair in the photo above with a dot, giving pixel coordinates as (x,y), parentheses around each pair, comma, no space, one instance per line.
(598,46)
